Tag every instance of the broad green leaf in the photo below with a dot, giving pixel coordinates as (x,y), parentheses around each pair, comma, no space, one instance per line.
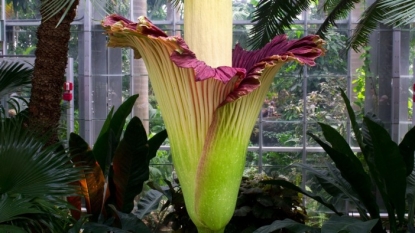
(390,167)
(350,167)
(149,202)
(289,185)
(347,224)
(289,224)
(155,142)
(353,121)
(130,222)
(335,181)
(407,148)
(107,143)
(130,165)
(10,228)
(93,227)
(77,146)
(107,122)
(410,197)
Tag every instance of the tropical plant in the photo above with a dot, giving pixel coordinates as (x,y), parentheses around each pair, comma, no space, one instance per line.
(258,204)
(275,17)
(49,69)
(209,112)
(386,167)
(116,171)
(34,180)
(14,77)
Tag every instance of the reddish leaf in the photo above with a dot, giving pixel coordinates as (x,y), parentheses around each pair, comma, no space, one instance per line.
(75,202)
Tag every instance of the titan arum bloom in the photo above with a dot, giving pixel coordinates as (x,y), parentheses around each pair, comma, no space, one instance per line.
(209,112)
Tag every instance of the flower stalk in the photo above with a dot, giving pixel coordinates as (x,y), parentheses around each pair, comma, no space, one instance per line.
(209,113)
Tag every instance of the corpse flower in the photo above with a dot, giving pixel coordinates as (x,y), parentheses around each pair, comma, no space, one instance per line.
(208,112)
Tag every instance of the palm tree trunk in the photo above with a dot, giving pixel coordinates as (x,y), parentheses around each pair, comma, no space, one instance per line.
(49,71)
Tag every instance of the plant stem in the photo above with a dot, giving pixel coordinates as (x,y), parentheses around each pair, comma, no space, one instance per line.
(206,230)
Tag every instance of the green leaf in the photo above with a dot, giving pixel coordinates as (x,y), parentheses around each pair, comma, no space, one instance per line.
(340,10)
(367,23)
(399,13)
(352,118)
(14,75)
(9,228)
(149,202)
(289,224)
(77,146)
(410,197)
(272,18)
(345,159)
(131,165)
(93,227)
(107,122)
(407,148)
(390,167)
(130,222)
(155,142)
(347,224)
(107,143)
(15,207)
(289,185)
(28,168)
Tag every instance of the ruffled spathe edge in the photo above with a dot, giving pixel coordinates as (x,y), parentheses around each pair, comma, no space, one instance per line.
(182,56)
(247,65)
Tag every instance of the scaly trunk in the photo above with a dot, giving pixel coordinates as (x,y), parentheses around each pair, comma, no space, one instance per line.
(49,71)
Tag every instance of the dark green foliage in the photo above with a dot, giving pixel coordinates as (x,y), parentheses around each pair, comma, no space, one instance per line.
(258,204)
(350,179)
(110,134)
(130,166)
(125,169)
(289,185)
(274,17)
(343,224)
(33,181)
(386,167)
(14,77)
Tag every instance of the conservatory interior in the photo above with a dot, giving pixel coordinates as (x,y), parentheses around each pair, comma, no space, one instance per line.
(290,139)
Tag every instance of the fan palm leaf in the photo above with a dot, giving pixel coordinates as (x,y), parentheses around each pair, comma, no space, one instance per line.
(14,75)
(28,169)
(33,180)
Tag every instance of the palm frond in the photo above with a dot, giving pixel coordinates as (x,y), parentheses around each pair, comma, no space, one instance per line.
(14,75)
(30,169)
(338,9)
(176,3)
(33,214)
(50,8)
(273,17)
(33,180)
(399,12)
(369,21)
